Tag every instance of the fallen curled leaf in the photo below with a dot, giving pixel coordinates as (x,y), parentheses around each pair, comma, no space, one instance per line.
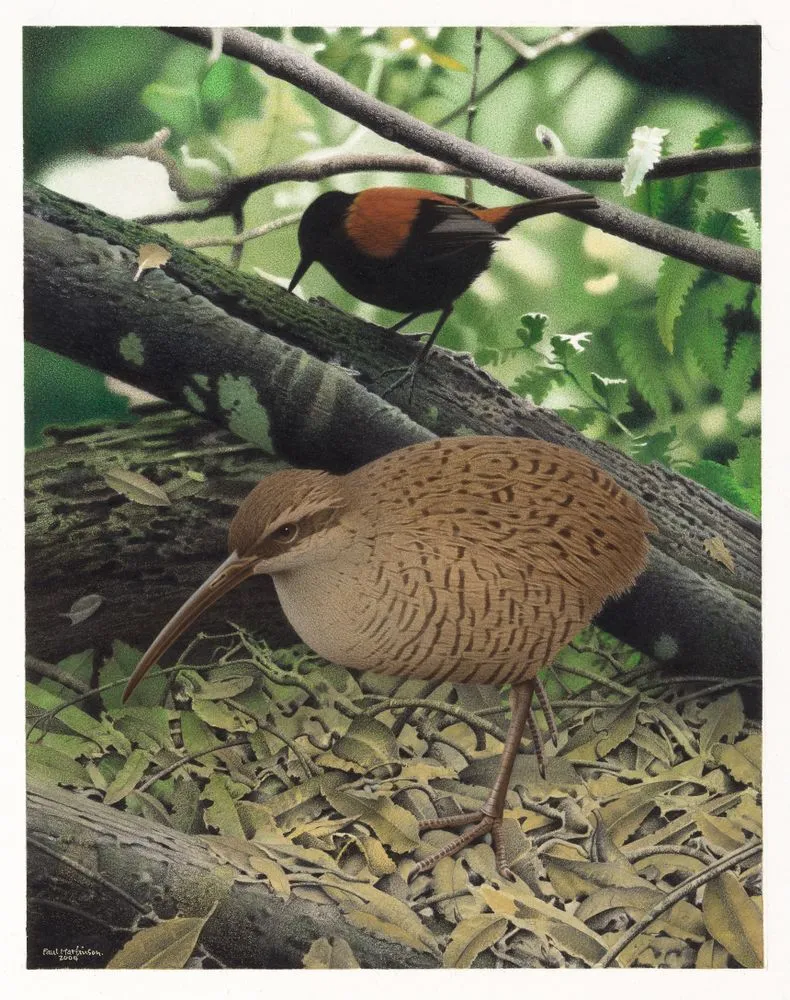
(136,487)
(717,550)
(150,255)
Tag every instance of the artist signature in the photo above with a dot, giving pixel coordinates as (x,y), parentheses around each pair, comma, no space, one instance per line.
(71,954)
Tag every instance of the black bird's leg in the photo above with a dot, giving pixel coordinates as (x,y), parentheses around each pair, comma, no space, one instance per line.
(405,322)
(410,373)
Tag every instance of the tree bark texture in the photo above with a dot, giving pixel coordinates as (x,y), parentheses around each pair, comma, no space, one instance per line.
(97,874)
(247,355)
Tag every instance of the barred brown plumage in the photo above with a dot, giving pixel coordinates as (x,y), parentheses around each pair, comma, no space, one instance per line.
(473,560)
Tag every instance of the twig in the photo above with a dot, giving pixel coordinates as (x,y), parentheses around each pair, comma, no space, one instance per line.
(307,765)
(187,760)
(92,876)
(56,673)
(468,717)
(649,852)
(75,911)
(530,54)
(246,236)
(334,92)
(591,675)
(471,111)
(713,689)
(690,885)
(442,897)
(568,168)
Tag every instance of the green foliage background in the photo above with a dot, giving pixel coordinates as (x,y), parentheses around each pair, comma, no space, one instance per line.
(670,369)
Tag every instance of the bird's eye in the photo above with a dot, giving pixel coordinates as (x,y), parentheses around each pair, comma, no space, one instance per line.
(286,533)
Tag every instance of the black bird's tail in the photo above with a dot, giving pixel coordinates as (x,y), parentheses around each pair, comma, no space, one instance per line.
(503,219)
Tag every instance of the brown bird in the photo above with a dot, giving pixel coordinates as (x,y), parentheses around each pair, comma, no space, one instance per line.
(471,560)
(411,250)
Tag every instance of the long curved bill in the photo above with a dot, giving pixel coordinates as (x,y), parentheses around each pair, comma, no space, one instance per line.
(224,578)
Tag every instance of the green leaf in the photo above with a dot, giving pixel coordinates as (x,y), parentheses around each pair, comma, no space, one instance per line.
(214,690)
(714,135)
(744,362)
(219,715)
(656,447)
(734,920)
(471,937)
(167,945)
(119,668)
(643,357)
(750,235)
(675,280)
(719,479)
(54,768)
(176,106)
(101,732)
(127,778)
(534,325)
(538,384)
(220,815)
(486,356)
(613,392)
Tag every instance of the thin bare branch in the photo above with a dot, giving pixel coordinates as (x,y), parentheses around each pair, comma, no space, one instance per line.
(471,111)
(526,54)
(334,92)
(246,236)
(684,889)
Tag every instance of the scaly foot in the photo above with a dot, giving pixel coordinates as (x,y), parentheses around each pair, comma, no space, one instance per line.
(483,824)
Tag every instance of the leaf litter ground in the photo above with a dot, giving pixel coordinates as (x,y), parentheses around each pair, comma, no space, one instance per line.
(640,847)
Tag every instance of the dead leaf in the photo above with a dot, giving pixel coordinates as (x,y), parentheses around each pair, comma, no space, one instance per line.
(471,937)
(717,550)
(392,824)
(150,255)
(83,608)
(711,956)
(383,915)
(567,931)
(330,953)
(724,720)
(166,945)
(742,759)
(136,487)
(274,873)
(734,920)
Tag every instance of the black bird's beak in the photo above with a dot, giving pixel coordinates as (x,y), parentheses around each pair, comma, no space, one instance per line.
(299,273)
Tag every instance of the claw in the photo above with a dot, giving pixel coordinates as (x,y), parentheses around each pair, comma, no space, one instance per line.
(483,824)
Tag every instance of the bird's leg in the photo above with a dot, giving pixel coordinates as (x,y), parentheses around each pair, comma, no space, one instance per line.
(405,322)
(489,818)
(545,705)
(410,373)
